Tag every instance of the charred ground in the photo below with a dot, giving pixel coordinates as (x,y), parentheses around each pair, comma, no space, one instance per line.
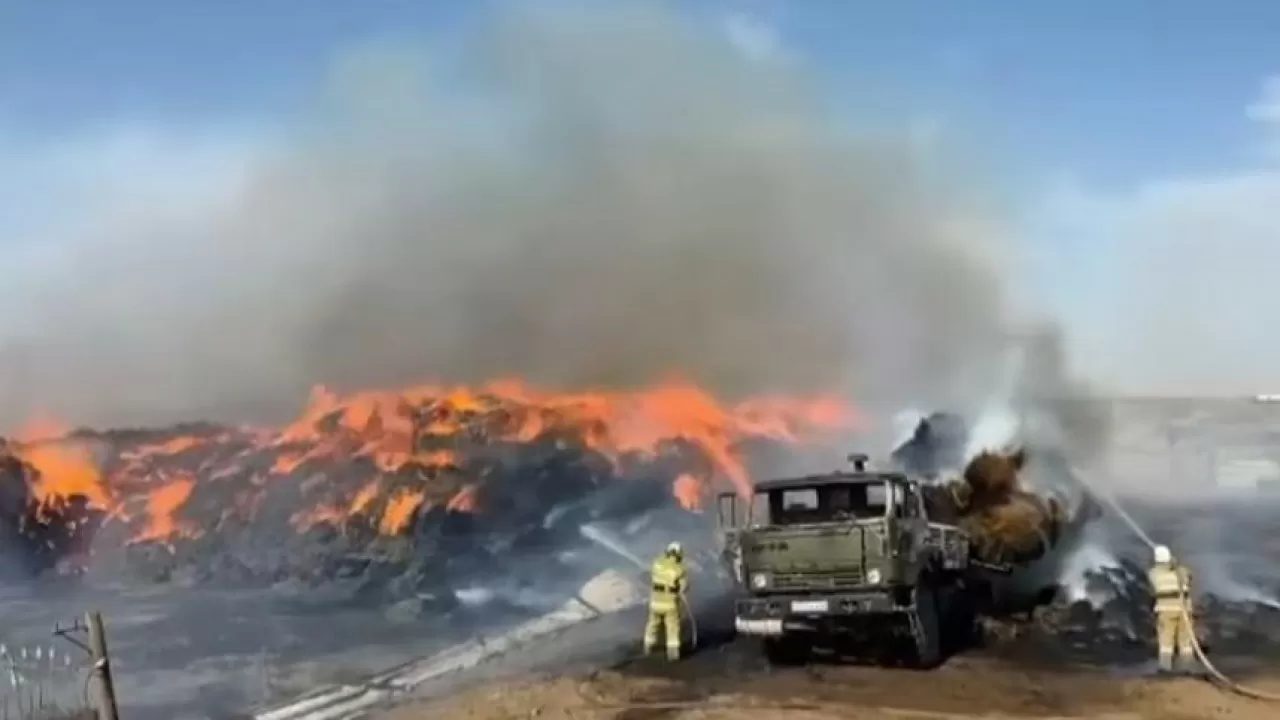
(1073,658)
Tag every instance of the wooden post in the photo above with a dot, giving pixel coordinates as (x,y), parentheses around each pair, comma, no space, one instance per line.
(107,709)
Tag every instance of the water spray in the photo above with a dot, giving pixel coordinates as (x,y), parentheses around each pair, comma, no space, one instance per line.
(1111,502)
(996,421)
(608,541)
(1189,624)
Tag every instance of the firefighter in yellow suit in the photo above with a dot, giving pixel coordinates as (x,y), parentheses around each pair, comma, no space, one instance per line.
(1171,582)
(670,583)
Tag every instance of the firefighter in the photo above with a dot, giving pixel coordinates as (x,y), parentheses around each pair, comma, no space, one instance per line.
(1171,583)
(666,600)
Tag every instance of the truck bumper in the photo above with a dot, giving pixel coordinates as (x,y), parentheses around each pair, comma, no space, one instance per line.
(777,614)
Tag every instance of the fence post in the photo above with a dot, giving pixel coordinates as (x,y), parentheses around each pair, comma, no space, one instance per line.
(107,709)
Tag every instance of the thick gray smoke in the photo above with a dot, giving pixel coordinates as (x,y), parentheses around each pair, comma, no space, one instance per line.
(603,197)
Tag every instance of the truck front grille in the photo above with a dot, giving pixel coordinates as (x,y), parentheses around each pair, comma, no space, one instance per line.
(786,582)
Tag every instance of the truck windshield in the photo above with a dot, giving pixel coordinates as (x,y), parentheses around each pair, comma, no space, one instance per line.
(823,503)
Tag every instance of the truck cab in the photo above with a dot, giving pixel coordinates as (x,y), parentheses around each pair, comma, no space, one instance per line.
(819,553)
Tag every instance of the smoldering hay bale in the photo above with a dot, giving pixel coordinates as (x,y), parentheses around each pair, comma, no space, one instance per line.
(1008,524)
(991,478)
(988,494)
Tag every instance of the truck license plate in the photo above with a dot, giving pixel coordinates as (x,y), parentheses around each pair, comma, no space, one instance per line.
(809,606)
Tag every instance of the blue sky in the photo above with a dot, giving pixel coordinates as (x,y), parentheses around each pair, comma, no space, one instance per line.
(1111,90)
(1108,127)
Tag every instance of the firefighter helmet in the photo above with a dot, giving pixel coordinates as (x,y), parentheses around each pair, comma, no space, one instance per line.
(675,550)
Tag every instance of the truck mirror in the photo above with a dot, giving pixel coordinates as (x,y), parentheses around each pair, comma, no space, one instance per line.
(727,507)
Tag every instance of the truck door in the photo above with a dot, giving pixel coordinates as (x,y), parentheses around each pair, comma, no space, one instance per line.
(727,512)
(730,521)
(915,526)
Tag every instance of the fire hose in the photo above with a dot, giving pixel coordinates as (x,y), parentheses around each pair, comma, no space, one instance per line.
(693,621)
(1216,675)
(687,612)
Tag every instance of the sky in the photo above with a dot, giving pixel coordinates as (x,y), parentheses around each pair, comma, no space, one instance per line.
(1131,146)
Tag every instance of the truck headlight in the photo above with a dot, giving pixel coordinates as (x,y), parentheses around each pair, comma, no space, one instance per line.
(759,581)
(873,576)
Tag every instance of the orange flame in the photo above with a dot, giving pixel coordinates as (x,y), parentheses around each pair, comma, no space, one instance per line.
(413,443)
(63,469)
(688,492)
(464,500)
(162,504)
(399,512)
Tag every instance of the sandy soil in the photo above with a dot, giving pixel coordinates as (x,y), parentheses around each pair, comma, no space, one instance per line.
(729,683)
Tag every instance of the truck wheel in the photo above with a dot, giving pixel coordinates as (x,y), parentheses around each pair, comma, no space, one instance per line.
(784,651)
(960,629)
(926,626)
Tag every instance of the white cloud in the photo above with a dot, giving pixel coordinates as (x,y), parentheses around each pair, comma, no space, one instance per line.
(50,187)
(754,37)
(1172,287)
(924,135)
(1266,109)
(1266,112)
(105,192)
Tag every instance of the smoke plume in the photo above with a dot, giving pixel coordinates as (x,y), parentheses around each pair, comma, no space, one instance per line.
(600,197)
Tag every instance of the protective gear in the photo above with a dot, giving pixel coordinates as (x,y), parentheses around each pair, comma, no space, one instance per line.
(675,550)
(666,599)
(1171,583)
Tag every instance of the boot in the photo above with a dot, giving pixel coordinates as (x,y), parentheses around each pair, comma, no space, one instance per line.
(673,653)
(1165,664)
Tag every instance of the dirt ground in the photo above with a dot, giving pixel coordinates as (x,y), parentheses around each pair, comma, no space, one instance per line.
(730,684)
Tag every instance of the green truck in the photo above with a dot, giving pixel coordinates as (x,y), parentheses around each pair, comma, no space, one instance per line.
(848,563)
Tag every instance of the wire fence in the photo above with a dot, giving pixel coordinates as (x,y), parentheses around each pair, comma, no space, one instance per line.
(45,682)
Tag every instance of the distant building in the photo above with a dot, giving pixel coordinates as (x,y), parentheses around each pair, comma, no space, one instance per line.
(1274,398)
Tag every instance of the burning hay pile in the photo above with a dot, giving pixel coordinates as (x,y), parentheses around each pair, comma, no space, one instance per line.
(1008,524)
(429,483)
(436,478)
(37,527)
